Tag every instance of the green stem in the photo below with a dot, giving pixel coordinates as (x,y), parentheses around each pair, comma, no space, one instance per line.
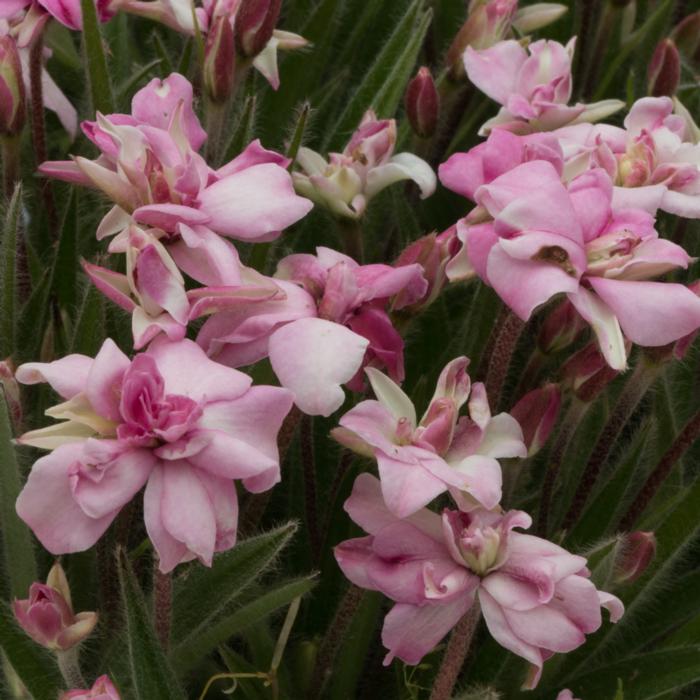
(70,667)
(351,234)
(10,163)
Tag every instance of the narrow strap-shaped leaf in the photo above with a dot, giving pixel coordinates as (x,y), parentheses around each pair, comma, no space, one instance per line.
(34,665)
(95,60)
(151,674)
(66,266)
(206,593)
(89,323)
(18,564)
(187,655)
(8,278)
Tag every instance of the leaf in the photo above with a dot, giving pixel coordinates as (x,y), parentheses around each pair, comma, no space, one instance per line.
(243,133)
(185,656)
(95,60)
(398,50)
(18,566)
(251,688)
(151,674)
(89,323)
(33,664)
(66,263)
(8,274)
(643,677)
(206,593)
(60,40)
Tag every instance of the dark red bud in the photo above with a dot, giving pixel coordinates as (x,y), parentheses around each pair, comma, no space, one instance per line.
(422,104)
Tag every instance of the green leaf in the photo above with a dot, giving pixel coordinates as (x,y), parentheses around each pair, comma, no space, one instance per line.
(8,274)
(66,265)
(34,665)
(89,323)
(18,566)
(206,593)
(643,677)
(251,688)
(151,674)
(185,656)
(95,60)
(60,40)
(390,63)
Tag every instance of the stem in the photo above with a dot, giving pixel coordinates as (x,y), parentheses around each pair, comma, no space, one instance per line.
(10,163)
(351,234)
(310,493)
(575,413)
(501,354)
(642,378)
(530,374)
(333,639)
(455,654)
(215,120)
(344,463)
(687,436)
(162,604)
(36,67)
(70,667)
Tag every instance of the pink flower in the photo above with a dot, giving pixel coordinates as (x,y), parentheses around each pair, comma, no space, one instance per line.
(345,184)
(326,321)
(536,598)
(533,86)
(67,12)
(548,238)
(170,420)
(102,689)
(418,461)
(47,615)
(566,694)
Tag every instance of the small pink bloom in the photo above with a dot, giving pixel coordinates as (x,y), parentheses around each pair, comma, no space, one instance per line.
(420,460)
(47,615)
(533,85)
(536,598)
(171,420)
(102,689)
(345,184)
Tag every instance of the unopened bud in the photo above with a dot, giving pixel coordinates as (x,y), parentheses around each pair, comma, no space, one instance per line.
(587,372)
(47,615)
(664,72)
(487,23)
(635,552)
(560,328)
(533,17)
(422,104)
(12,100)
(255,22)
(219,60)
(686,37)
(537,413)
(10,389)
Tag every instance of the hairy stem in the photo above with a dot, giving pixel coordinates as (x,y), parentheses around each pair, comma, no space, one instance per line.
(162,605)
(351,235)
(687,436)
(455,654)
(634,390)
(308,462)
(504,345)
(70,667)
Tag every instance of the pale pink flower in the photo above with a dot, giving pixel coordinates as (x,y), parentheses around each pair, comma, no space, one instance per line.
(418,461)
(536,598)
(47,615)
(102,689)
(67,12)
(566,694)
(533,86)
(325,322)
(547,238)
(347,181)
(171,420)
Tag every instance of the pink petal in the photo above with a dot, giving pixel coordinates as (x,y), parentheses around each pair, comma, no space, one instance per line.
(373,423)
(253,154)
(313,358)
(103,386)
(494,70)
(114,285)
(212,262)
(67,376)
(253,204)
(47,505)
(650,313)
(167,216)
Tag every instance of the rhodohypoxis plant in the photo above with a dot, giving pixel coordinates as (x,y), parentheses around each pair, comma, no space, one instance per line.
(246,250)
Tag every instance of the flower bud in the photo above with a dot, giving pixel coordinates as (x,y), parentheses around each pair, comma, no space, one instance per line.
(537,413)
(219,60)
(102,689)
(255,22)
(487,23)
(686,37)
(560,328)
(422,104)
(10,389)
(664,72)
(634,554)
(541,14)
(47,615)
(587,372)
(12,100)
